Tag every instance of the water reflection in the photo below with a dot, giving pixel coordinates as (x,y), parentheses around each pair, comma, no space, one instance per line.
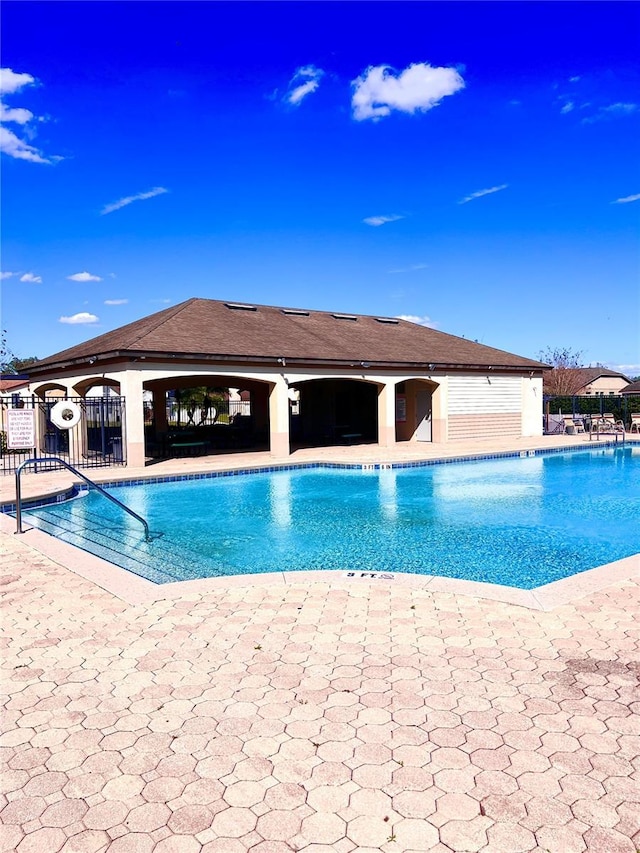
(280,499)
(486,489)
(388,494)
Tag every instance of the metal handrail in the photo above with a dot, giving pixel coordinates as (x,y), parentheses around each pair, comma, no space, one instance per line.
(75,471)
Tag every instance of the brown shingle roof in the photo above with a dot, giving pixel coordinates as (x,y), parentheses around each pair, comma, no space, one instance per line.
(631,388)
(210,328)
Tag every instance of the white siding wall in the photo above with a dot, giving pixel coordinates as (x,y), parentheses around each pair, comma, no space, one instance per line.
(485,406)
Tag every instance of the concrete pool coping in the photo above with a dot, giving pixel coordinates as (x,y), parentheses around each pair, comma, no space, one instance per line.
(136,590)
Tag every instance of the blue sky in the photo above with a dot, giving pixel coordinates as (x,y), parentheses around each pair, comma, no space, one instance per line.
(474,166)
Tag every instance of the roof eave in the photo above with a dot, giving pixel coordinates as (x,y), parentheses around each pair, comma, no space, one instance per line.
(277,362)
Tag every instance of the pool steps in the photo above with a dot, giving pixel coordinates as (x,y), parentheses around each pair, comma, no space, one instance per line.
(108,541)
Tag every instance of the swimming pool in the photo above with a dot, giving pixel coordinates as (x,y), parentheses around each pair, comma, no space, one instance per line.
(520,522)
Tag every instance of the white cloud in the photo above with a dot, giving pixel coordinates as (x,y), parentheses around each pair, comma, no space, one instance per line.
(568,107)
(7,274)
(11,82)
(574,79)
(381,220)
(17,116)
(123,202)
(10,144)
(620,109)
(625,368)
(30,277)
(19,149)
(418,88)
(612,111)
(480,193)
(412,268)
(627,199)
(78,319)
(83,276)
(116,301)
(304,82)
(419,321)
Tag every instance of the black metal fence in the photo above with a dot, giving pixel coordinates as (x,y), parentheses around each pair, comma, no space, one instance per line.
(183,411)
(621,406)
(97,441)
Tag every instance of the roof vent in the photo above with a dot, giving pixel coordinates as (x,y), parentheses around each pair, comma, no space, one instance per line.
(298,312)
(344,316)
(237,306)
(387,320)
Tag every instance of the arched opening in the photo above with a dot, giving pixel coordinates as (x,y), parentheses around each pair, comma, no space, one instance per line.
(418,411)
(333,411)
(97,386)
(97,438)
(203,414)
(51,389)
(50,438)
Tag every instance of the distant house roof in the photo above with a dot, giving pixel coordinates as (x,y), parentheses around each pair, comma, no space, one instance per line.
(631,388)
(212,330)
(7,385)
(590,374)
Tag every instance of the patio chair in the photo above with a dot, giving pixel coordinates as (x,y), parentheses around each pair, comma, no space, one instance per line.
(610,424)
(606,423)
(572,425)
(635,422)
(595,423)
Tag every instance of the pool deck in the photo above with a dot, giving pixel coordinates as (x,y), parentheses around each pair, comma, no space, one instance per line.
(322,713)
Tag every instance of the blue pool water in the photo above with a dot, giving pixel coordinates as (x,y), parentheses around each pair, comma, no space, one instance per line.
(518,522)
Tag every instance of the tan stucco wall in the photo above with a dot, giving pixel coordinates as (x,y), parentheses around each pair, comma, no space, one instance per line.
(522,416)
(604,385)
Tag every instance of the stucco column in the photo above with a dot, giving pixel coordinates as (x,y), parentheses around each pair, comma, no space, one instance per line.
(440,407)
(532,402)
(131,390)
(279,418)
(387,415)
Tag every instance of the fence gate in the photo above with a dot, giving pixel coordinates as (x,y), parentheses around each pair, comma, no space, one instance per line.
(97,441)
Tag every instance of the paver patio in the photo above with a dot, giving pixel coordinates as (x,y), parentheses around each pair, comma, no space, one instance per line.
(324,717)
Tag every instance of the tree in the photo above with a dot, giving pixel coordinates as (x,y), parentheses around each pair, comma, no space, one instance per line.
(9,361)
(566,378)
(22,365)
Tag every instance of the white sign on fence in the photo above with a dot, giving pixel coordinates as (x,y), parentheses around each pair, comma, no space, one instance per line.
(21,428)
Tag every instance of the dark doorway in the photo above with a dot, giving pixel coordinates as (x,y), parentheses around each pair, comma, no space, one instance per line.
(335,411)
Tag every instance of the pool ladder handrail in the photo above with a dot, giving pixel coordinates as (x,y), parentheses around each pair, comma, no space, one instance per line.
(90,483)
